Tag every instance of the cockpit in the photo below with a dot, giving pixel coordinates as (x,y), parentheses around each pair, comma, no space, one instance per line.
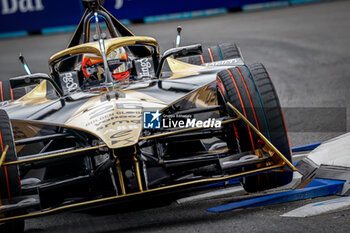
(95,55)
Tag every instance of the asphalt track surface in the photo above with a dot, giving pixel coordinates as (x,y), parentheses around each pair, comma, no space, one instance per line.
(305,48)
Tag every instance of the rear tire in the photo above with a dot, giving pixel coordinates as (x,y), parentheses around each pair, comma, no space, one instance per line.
(7,93)
(250,90)
(10,186)
(215,53)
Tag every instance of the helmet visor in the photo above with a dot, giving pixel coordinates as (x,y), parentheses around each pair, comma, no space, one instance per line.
(118,66)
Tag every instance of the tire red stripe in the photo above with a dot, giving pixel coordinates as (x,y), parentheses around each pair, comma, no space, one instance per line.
(256,119)
(245,114)
(236,131)
(5,168)
(220,85)
(7,182)
(202,59)
(2,95)
(250,100)
(1,143)
(2,149)
(211,55)
(11,92)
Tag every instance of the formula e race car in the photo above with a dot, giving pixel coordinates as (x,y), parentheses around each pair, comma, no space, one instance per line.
(116,121)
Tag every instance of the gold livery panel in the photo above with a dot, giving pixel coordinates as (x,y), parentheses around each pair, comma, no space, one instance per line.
(118,122)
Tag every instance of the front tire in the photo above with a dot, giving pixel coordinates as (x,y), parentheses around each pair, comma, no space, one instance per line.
(10,186)
(250,90)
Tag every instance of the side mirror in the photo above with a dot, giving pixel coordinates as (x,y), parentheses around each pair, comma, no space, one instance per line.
(184,51)
(179,52)
(31,79)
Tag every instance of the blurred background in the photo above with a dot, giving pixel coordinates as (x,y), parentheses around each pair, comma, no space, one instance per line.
(20,16)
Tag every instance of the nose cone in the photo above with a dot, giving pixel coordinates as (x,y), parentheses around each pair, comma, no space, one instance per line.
(118,122)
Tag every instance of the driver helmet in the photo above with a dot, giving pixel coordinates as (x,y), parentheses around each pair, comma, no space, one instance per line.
(117,61)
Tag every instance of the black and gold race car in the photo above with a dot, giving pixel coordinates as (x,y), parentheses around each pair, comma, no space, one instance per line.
(117,121)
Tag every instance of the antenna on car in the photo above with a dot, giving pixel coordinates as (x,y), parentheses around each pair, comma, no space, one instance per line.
(178,37)
(24,63)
